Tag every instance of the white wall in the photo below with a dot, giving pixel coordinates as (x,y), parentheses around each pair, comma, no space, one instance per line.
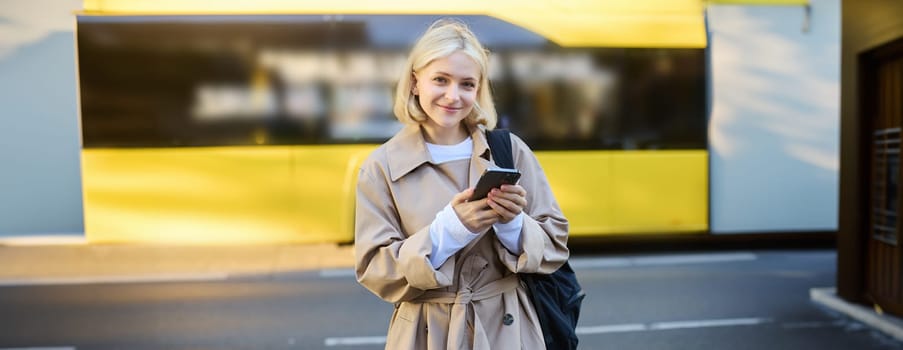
(40,177)
(774,125)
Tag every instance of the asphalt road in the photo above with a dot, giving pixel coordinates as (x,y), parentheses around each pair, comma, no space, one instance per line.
(723,300)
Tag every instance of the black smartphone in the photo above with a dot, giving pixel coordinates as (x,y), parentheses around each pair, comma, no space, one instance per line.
(494,178)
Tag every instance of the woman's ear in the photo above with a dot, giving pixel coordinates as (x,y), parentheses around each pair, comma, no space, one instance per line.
(414,84)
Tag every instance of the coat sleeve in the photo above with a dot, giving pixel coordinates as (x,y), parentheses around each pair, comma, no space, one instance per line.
(392,265)
(545,231)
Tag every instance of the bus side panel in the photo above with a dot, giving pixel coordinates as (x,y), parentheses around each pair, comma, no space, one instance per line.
(188,195)
(582,184)
(305,194)
(660,191)
(325,185)
(220,195)
(630,192)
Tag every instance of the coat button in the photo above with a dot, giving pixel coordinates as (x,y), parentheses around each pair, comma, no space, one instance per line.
(508,319)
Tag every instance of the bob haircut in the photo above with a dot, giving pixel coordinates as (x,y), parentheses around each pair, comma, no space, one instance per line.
(443,38)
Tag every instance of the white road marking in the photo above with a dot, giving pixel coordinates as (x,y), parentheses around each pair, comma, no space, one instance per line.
(612,328)
(708,323)
(682,259)
(355,341)
(180,277)
(54,348)
(660,326)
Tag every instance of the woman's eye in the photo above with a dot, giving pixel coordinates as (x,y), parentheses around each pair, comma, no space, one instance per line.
(439,79)
(470,85)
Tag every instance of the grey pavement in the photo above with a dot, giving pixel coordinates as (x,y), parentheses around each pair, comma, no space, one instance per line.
(82,263)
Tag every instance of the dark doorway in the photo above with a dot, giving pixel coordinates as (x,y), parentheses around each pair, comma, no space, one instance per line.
(882,107)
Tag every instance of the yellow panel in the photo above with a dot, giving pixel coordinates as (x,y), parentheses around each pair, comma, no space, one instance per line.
(581,182)
(629,192)
(384,6)
(611,30)
(325,182)
(219,195)
(761,2)
(660,191)
(224,195)
(278,6)
(595,23)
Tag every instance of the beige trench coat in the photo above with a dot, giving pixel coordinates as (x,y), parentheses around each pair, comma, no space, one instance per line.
(474,300)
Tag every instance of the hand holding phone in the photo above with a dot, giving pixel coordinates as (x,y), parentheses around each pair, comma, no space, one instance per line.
(494,178)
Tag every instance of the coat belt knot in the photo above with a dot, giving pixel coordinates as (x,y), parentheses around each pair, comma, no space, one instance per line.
(464,296)
(463,302)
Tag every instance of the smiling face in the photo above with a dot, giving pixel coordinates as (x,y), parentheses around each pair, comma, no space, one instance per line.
(446,89)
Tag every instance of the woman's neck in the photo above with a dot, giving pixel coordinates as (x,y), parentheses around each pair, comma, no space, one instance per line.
(444,136)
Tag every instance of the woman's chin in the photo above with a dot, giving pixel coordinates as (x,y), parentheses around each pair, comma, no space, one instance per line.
(448,123)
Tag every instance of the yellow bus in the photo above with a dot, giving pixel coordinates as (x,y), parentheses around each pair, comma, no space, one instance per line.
(211,123)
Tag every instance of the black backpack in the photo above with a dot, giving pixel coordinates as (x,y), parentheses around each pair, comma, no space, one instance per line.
(556,297)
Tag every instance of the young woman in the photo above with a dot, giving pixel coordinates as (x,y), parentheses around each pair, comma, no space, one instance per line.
(448,264)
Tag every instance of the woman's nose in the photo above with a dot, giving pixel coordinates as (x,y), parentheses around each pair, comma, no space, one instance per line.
(452,93)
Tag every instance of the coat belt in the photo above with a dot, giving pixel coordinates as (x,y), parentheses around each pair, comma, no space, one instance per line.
(461,303)
(466,294)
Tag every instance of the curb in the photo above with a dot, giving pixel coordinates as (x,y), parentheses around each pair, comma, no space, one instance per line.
(888,324)
(43,240)
(93,264)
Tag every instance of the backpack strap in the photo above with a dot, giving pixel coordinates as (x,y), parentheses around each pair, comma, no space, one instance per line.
(556,297)
(500,146)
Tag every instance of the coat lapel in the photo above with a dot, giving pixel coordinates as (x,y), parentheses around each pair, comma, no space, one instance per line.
(408,150)
(480,159)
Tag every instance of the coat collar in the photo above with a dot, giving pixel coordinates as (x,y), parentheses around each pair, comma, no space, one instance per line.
(407,151)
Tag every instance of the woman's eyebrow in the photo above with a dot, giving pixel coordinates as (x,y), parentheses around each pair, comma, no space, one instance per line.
(452,75)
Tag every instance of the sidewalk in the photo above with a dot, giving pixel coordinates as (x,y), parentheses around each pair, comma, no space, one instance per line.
(827,297)
(88,263)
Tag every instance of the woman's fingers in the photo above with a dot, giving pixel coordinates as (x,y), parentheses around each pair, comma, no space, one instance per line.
(508,201)
(512,204)
(513,200)
(503,204)
(462,196)
(502,212)
(515,189)
(476,216)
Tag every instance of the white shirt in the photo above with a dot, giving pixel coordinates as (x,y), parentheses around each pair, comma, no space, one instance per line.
(447,232)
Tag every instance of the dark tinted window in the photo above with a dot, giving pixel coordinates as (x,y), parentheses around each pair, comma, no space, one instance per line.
(275,80)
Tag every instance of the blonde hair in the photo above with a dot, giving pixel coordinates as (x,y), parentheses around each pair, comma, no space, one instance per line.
(443,38)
